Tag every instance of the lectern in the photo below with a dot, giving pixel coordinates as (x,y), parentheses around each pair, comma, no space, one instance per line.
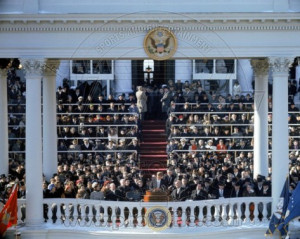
(156,196)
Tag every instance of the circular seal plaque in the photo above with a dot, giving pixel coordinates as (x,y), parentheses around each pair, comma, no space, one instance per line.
(158,218)
(160,44)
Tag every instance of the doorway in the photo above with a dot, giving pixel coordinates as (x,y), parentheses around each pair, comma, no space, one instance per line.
(155,74)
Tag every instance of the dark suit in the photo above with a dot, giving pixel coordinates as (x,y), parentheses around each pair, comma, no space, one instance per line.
(162,186)
(169,180)
(226,193)
(113,196)
(201,195)
(181,196)
(235,194)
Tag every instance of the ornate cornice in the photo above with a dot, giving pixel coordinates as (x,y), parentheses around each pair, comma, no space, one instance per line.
(33,66)
(281,65)
(145,22)
(141,27)
(260,66)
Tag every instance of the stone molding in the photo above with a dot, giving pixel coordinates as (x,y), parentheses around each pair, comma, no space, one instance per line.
(142,22)
(19,27)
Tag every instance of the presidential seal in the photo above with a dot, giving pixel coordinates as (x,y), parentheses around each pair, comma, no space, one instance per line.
(158,218)
(160,44)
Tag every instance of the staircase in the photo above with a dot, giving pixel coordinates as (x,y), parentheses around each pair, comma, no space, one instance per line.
(153,156)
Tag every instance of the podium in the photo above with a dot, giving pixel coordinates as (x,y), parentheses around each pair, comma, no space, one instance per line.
(157,196)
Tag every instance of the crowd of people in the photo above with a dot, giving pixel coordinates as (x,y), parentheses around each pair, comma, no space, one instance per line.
(210,143)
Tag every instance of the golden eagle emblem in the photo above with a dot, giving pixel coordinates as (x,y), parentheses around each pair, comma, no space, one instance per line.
(158,218)
(160,44)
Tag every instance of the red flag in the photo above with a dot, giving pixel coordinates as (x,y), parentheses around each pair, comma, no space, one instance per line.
(8,215)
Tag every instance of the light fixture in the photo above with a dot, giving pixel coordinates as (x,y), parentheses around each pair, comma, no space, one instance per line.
(148,69)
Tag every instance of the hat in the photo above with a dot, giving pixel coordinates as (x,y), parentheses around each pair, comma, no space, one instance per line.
(80,97)
(95,184)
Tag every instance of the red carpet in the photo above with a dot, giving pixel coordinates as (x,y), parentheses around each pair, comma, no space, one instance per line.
(153,157)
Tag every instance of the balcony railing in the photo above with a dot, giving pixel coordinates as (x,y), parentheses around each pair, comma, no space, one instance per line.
(250,211)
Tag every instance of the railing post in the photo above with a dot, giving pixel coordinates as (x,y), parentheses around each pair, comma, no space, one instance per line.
(231,213)
(257,207)
(247,212)
(224,212)
(175,216)
(184,216)
(74,217)
(58,213)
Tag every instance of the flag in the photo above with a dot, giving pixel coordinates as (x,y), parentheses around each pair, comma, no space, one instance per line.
(8,215)
(293,209)
(278,216)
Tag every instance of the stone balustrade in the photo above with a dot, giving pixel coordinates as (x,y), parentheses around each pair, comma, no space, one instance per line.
(230,212)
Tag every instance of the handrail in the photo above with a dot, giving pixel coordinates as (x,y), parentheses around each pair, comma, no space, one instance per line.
(87,151)
(98,113)
(213,136)
(213,103)
(220,124)
(96,125)
(119,137)
(85,113)
(93,103)
(170,203)
(211,112)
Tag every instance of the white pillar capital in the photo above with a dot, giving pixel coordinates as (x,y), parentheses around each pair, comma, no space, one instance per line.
(33,66)
(281,65)
(3,73)
(51,67)
(260,67)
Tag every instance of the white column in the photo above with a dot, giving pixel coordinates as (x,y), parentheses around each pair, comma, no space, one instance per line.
(245,75)
(123,76)
(34,191)
(49,119)
(260,69)
(183,70)
(3,123)
(280,136)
